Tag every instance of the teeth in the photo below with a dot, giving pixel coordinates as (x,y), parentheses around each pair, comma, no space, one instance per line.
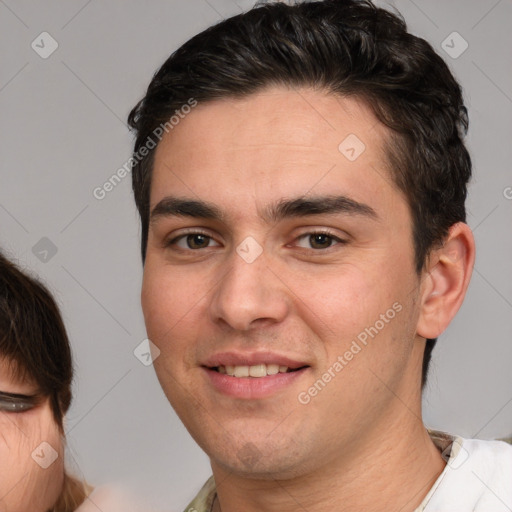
(272,369)
(241,371)
(258,370)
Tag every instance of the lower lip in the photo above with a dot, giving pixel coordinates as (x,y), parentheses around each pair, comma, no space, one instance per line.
(252,387)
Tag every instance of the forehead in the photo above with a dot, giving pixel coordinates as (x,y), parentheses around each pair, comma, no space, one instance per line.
(274,142)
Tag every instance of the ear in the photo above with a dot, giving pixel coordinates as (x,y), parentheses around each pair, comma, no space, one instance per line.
(445,281)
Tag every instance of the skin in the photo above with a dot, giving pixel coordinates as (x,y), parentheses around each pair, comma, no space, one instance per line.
(360,443)
(24,484)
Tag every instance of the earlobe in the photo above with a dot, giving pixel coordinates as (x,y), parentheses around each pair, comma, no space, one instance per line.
(446,280)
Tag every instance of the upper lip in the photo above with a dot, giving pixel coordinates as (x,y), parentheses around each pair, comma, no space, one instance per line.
(252,359)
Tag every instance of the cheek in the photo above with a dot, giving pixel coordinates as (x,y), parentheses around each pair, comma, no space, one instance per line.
(359,308)
(170,303)
(169,300)
(340,302)
(31,461)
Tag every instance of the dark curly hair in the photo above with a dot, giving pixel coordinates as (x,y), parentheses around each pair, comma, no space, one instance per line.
(345,47)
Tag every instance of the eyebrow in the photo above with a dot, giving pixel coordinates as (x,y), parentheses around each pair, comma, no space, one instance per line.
(320,205)
(286,208)
(177,207)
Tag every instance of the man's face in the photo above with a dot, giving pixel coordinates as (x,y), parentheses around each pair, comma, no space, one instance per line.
(31,473)
(293,249)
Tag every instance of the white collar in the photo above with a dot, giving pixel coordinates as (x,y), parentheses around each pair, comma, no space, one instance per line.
(477,476)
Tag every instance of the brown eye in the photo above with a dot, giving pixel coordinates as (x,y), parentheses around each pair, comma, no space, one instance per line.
(320,241)
(197,241)
(193,241)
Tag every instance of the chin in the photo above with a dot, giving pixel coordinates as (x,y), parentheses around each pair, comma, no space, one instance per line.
(259,458)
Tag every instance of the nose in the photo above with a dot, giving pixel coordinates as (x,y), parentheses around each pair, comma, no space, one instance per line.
(249,295)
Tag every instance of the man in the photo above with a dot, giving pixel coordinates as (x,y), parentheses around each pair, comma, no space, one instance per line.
(301,176)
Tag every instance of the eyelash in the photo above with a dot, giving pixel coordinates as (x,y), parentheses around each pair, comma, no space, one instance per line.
(324,232)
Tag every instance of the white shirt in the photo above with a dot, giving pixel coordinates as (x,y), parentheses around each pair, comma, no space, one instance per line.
(477,477)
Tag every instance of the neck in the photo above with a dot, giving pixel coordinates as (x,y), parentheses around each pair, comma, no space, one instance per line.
(393,470)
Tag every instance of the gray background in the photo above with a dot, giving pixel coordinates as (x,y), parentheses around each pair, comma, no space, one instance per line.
(63,133)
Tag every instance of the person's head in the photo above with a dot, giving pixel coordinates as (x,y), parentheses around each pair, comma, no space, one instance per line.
(35,393)
(326,118)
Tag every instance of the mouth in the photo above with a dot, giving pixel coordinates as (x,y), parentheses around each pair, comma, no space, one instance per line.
(254,376)
(256,371)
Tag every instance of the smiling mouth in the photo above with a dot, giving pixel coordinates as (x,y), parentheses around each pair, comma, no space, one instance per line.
(255,371)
